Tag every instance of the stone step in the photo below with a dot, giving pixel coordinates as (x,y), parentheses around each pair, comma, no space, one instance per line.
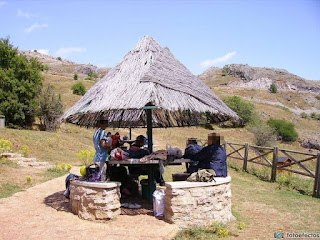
(22,159)
(10,155)
(34,164)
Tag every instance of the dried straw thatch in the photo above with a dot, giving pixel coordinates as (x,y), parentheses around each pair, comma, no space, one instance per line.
(149,74)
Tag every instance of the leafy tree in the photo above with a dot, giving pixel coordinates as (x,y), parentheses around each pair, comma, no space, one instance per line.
(284,129)
(20,81)
(49,108)
(273,88)
(79,89)
(243,108)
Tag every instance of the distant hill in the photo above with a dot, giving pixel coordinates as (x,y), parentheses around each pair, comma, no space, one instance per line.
(245,76)
(59,65)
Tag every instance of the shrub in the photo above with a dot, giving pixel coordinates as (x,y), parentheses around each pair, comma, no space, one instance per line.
(315,116)
(25,151)
(20,81)
(93,74)
(318,97)
(79,89)
(304,115)
(28,178)
(75,76)
(85,156)
(59,58)
(243,108)
(273,88)
(241,225)
(264,135)
(284,129)
(49,108)
(45,68)
(5,145)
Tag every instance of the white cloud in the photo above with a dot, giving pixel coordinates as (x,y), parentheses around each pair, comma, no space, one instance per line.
(67,51)
(20,13)
(225,58)
(2,3)
(35,26)
(43,51)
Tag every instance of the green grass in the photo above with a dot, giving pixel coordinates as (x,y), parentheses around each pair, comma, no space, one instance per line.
(7,189)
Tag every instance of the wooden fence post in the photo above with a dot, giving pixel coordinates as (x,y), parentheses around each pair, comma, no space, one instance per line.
(245,158)
(274,165)
(316,187)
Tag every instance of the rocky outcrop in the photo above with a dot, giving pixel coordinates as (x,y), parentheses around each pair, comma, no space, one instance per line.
(190,204)
(246,76)
(95,201)
(311,143)
(23,161)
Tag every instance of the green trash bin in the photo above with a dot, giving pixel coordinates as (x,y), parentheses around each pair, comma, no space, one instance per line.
(145,191)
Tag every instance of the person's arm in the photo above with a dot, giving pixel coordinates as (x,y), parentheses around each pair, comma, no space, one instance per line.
(104,145)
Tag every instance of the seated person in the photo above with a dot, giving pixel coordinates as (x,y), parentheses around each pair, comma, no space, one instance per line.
(213,156)
(137,151)
(115,140)
(191,150)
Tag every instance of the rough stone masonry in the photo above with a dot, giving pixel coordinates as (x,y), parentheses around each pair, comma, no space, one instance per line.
(95,200)
(189,204)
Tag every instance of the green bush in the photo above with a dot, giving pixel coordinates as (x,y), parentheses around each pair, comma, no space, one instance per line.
(75,76)
(20,82)
(273,88)
(315,116)
(243,108)
(79,89)
(304,115)
(284,129)
(59,58)
(93,74)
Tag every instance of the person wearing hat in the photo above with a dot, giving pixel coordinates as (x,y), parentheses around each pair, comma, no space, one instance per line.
(102,145)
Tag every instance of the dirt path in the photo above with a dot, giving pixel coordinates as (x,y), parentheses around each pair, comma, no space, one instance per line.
(42,212)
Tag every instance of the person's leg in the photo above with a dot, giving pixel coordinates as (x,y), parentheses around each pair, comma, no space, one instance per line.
(103,170)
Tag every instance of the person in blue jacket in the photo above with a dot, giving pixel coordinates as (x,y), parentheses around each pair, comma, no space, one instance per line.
(213,156)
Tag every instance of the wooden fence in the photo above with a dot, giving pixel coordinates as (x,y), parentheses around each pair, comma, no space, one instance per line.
(257,155)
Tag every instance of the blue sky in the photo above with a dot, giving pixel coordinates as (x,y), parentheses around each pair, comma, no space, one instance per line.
(280,34)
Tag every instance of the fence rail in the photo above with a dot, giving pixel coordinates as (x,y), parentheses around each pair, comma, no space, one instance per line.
(258,155)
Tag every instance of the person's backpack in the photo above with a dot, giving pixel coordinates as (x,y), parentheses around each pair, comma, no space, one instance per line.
(93,173)
(68,179)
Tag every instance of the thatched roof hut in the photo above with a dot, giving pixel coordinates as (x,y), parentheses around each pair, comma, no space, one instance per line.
(149,75)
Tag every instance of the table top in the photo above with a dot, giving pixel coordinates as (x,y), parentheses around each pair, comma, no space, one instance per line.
(132,161)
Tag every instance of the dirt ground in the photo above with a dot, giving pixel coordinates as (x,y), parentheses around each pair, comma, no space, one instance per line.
(42,212)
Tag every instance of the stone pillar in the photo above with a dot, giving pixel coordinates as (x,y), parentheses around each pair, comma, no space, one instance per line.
(189,204)
(95,200)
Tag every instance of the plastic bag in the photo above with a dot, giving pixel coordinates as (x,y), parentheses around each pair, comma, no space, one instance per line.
(158,203)
(119,154)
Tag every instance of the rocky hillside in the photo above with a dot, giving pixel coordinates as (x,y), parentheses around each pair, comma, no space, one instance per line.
(59,65)
(245,76)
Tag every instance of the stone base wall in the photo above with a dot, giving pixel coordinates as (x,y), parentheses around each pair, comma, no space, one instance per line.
(189,204)
(95,201)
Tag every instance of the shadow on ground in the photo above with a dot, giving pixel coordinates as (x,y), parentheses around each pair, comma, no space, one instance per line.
(58,202)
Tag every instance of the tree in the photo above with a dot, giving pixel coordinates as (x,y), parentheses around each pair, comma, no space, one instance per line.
(264,135)
(79,89)
(75,76)
(20,81)
(273,88)
(49,108)
(243,108)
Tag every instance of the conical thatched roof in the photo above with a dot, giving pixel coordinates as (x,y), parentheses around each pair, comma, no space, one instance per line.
(148,74)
